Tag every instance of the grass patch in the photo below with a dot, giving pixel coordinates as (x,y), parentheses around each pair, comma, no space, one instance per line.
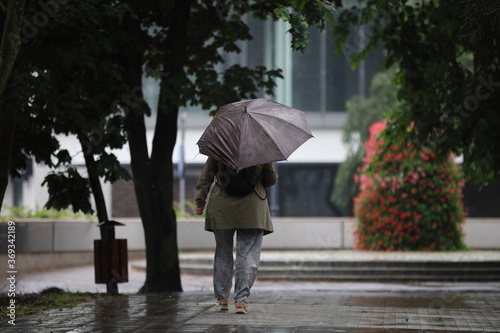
(51,298)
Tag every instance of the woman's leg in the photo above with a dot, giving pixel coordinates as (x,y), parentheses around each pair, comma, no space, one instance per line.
(223,263)
(248,247)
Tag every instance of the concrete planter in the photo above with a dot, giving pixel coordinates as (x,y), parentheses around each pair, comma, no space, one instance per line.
(43,244)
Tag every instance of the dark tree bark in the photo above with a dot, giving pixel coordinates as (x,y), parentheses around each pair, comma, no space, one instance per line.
(153,175)
(7,131)
(95,185)
(153,183)
(9,48)
(10,43)
(162,233)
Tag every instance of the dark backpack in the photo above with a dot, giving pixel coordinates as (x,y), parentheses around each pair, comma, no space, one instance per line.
(239,184)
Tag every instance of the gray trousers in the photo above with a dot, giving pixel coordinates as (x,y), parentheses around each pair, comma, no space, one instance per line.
(248,247)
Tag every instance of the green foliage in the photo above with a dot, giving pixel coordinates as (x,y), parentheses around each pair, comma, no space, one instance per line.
(453,104)
(70,88)
(21,212)
(302,14)
(410,198)
(68,189)
(231,87)
(478,16)
(361,113)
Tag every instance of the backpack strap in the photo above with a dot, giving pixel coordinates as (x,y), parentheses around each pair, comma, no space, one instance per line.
(255,188)
(265,190)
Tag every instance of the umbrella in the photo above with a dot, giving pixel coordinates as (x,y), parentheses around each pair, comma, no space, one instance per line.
(253,132)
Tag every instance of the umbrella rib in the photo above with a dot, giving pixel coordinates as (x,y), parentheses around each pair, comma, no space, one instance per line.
(289,123)
(263,130)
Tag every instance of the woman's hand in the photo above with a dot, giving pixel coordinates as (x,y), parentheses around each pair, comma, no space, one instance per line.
(198,210)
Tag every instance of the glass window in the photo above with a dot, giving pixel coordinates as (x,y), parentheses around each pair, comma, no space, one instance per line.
(305,189)
(306,78)
(342,81)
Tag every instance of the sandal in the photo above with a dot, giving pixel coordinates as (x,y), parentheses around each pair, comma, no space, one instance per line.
(222,304)
(241,307)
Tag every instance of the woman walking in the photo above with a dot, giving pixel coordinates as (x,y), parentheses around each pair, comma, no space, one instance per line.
(227,214)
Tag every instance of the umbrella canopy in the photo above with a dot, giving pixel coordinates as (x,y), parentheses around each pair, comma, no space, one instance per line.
(253,132)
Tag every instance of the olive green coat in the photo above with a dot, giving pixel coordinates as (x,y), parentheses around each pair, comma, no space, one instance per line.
(229,212)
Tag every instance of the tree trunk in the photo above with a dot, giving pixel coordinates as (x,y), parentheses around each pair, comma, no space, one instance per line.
(7,131)
(10,40)
(9,48)
(153,187)
(95,185)
(153,176)
(107,231)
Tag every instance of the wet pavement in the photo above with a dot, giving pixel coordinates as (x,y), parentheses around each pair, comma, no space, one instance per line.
(275,306)
(290,311)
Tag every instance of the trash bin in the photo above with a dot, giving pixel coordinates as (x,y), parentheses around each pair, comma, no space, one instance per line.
(110,258)
(119,261)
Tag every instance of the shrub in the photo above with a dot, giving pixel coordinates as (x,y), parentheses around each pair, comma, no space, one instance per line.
(22,212)
(410,199)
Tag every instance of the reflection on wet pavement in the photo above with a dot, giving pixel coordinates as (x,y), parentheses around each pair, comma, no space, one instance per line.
(307,311)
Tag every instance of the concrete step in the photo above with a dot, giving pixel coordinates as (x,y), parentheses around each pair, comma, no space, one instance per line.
(356,264)
(376,269)
(380,278)
(365,272)
(345,266)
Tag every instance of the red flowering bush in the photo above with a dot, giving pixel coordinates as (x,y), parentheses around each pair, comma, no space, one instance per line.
(409,200)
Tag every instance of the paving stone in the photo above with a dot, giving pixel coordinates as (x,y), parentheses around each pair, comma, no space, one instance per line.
(298,311)
(274,307)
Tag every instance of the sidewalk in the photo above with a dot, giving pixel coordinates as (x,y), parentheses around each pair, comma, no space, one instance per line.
(274,307)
